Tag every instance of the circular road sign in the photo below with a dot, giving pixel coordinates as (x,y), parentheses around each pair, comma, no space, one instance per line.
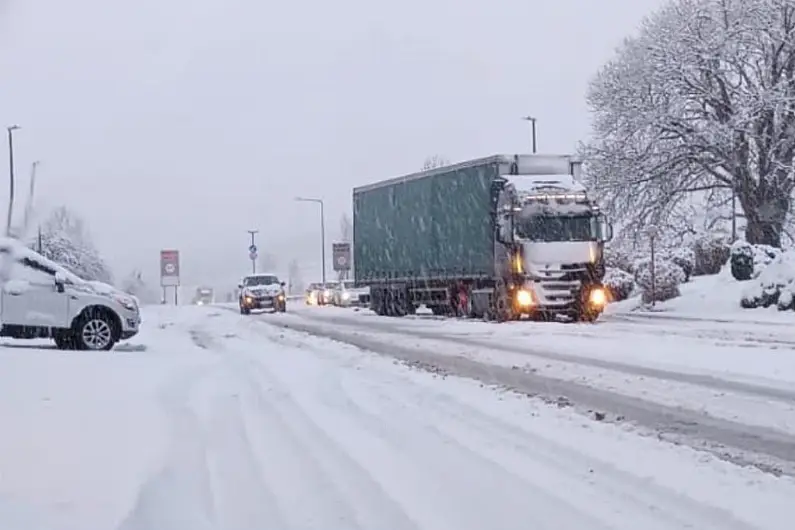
(170,268)
(342,261)
(252,255)
(252,249)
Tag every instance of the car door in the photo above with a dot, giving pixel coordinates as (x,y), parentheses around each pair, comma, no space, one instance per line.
(31,297)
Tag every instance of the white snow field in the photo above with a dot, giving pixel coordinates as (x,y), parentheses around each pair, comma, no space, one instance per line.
(228,422)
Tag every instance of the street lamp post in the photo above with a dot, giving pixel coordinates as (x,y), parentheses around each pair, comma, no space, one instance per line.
(322,233)
(532,121)
(10,130)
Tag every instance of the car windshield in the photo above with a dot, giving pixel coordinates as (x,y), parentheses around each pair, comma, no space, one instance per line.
(260,280)
(348,285)
(557,228)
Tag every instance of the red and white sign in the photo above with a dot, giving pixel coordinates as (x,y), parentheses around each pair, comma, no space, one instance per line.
(169,267)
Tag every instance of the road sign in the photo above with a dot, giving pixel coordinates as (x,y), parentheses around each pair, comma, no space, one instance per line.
(252,255)
(169,268)
(252,249)
(341,253)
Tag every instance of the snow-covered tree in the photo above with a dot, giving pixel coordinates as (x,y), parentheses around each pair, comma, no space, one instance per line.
(702,100)
(135,285)
(66,241)
(295,283)
(434,161)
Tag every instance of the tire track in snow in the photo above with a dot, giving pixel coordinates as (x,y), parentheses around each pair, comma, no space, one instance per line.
(767,449)
(180,495)
(787,396)
(320,484)
(209,478)
(462,440)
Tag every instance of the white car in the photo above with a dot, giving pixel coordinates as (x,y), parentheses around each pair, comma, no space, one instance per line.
(41,299)
(346,294)
(262,291)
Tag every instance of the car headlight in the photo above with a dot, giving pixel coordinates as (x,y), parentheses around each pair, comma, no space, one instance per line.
(597,297)
(524,298)
(248,298)
(126,303)
(281,297)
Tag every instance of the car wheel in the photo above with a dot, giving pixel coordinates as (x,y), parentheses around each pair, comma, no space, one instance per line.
(95,332)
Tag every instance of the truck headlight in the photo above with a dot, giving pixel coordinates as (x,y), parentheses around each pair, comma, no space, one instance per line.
(524,298)
(346,296)
(597,297)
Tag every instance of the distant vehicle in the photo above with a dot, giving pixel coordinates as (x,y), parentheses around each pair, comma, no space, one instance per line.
(319,294)
(346,294)
(204,296)
(501,237)
(41,299)
(262,291)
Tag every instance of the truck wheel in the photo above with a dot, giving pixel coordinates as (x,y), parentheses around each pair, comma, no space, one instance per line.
(586,316)
(95,332)
(503,310)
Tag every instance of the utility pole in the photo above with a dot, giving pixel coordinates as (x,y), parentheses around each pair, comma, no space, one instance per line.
(252,251)
(532,121)
(322,234)
(31,195)
(10,130)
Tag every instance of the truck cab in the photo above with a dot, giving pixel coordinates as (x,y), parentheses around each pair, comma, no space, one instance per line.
(554,235)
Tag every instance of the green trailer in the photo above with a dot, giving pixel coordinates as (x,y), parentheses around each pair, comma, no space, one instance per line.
(430,225)
(445,238)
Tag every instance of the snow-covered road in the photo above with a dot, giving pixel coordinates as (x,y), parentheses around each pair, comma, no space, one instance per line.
(734,396)
(226,422)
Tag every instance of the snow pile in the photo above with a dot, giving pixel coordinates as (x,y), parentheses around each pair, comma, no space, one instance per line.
(774,284)
(667,278)
(748,261)
(620,284)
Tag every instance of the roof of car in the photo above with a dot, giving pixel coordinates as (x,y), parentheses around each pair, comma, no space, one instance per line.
(260,274)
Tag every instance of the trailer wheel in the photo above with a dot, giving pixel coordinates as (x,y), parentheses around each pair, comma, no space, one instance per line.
(464,303)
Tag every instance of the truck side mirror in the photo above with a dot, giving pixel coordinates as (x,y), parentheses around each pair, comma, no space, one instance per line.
(282,284)
(605,229)
(506,228)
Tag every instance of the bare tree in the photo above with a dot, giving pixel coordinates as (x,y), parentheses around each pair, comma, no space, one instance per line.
(435,161)
(702,101)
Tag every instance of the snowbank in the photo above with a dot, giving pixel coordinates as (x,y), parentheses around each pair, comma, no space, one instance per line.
(774,285)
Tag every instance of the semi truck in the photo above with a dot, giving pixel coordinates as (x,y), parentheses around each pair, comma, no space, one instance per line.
(502,238)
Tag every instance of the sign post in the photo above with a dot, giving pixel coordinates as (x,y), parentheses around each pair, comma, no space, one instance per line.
(341,254)
(252,251)
(169,271)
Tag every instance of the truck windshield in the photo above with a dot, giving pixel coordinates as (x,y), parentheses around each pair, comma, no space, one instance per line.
(552,228)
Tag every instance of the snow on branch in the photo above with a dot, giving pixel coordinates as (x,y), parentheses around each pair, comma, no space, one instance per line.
(701,100)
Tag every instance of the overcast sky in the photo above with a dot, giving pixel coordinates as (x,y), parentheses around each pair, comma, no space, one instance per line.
(183,123)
